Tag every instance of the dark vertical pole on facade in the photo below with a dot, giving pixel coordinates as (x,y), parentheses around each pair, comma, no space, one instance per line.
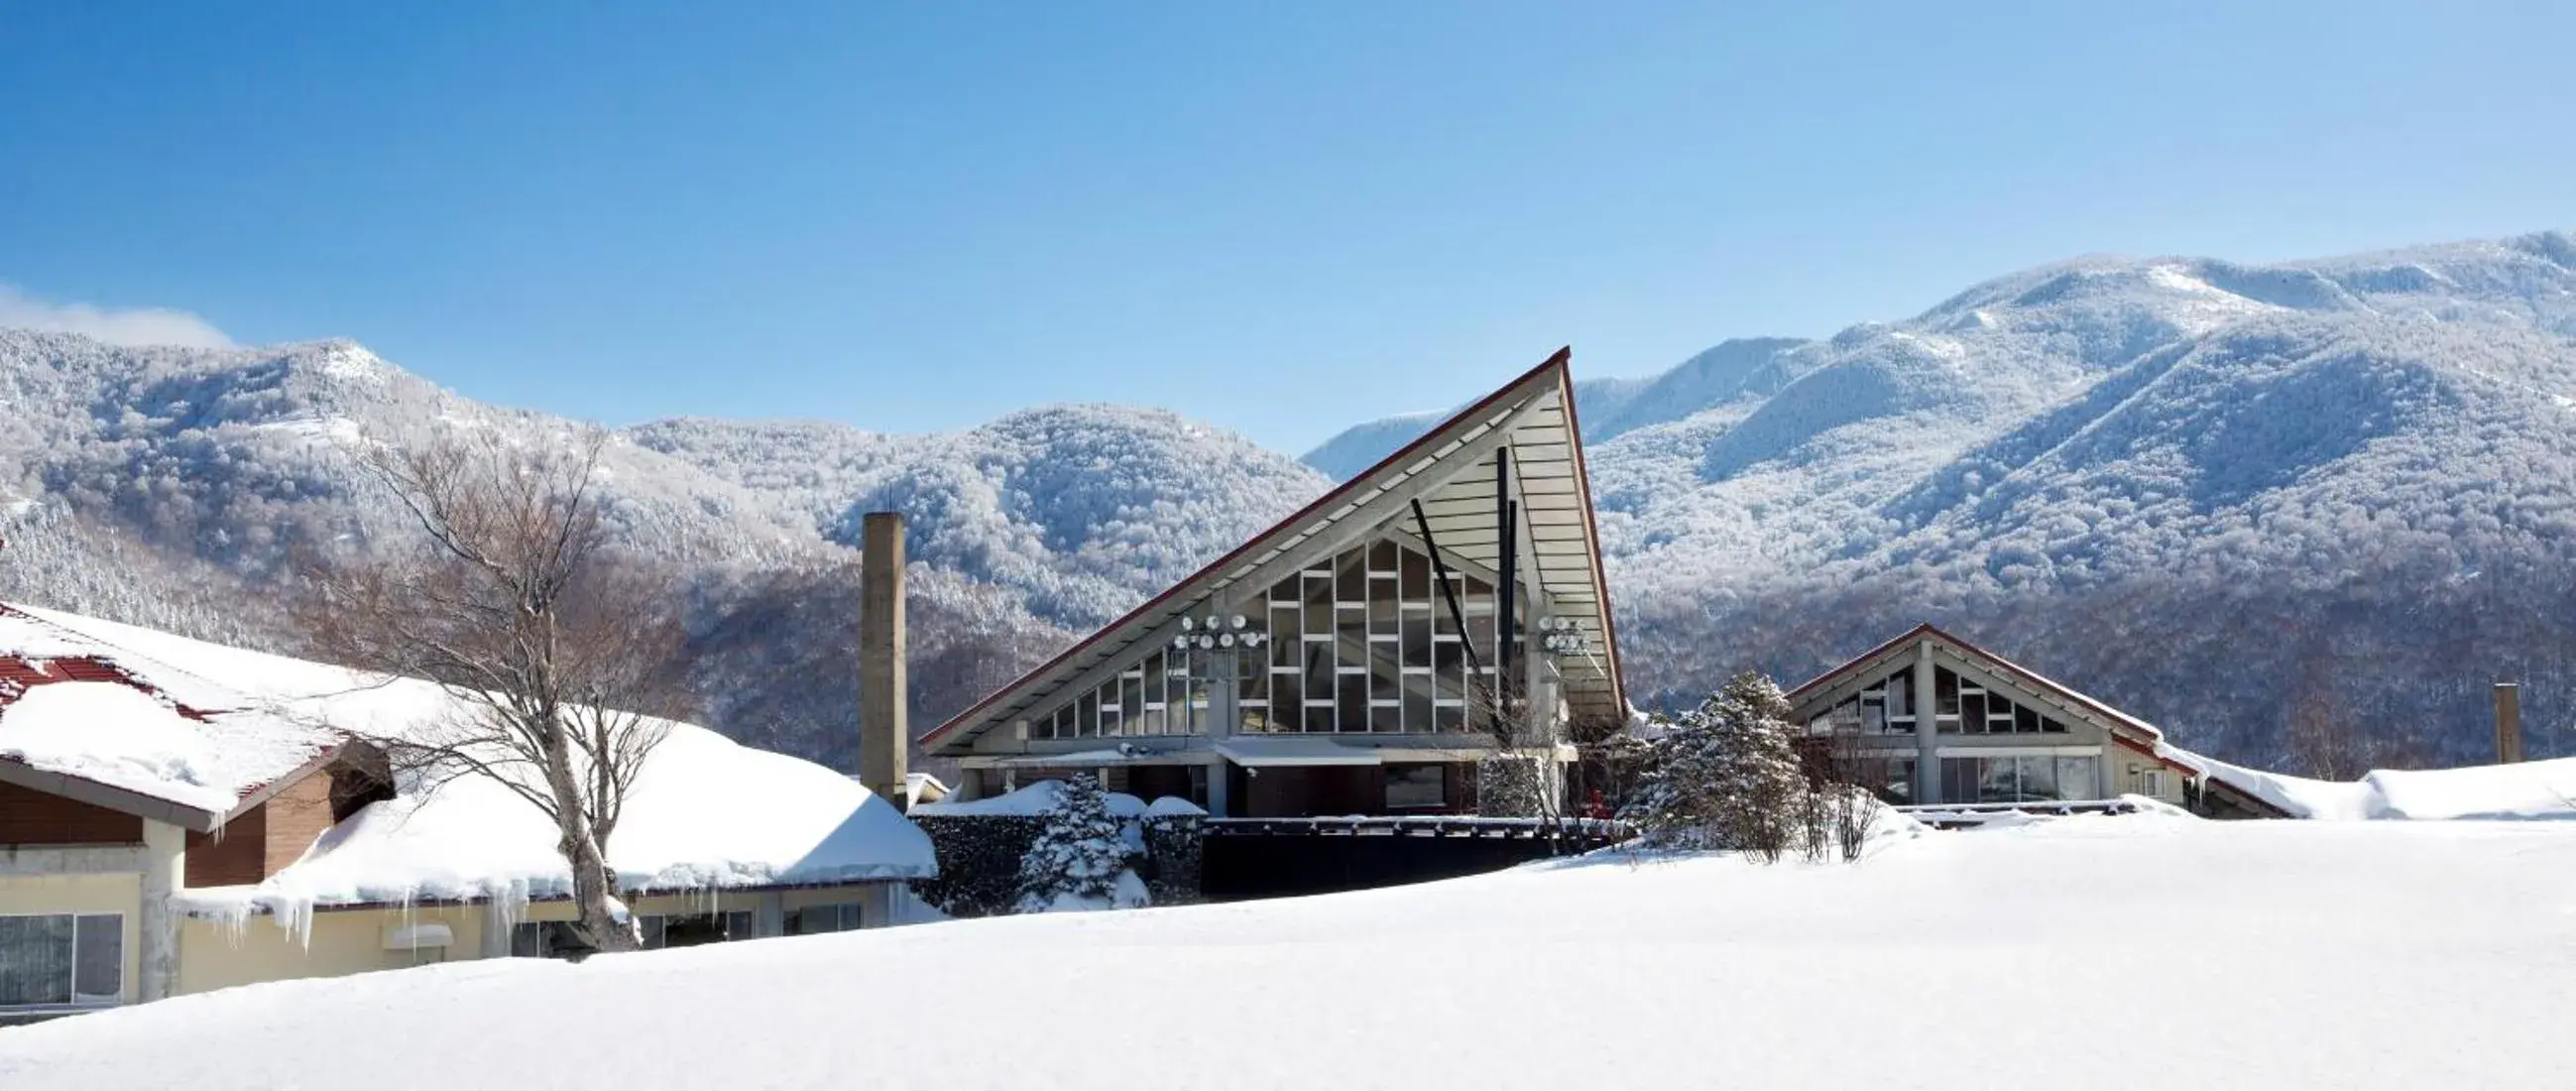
(1448,591)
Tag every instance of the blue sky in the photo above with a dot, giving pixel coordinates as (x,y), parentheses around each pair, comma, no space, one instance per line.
(1279,218)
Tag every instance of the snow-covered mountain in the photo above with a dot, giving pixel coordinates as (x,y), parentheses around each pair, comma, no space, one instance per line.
(171,487)
(2228,495)
(2235,499)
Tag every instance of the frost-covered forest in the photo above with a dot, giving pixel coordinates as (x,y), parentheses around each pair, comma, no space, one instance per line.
(178,487)
(2225,497)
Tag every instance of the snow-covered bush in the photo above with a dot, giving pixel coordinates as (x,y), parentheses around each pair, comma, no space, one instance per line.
(1511,786)
(1083,858)
(1724,776)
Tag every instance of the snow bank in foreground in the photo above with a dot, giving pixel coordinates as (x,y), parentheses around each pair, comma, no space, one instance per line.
(2111,954)
(2537,789)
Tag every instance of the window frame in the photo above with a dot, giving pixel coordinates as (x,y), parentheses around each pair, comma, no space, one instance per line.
(75,999)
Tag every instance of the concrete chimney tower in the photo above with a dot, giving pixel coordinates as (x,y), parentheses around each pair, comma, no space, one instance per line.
(2508,701)
(884,737)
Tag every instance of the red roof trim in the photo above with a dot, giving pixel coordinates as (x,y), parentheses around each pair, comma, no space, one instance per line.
(1337,495)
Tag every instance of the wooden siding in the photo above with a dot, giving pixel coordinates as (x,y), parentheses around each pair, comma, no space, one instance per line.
(30,817)
(231,856)
(262,841)
(296,816)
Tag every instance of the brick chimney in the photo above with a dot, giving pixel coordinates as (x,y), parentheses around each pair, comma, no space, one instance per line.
(884,737)
(2508,724)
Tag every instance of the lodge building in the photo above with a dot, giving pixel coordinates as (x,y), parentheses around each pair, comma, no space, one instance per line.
(1370,654)
(1931,719)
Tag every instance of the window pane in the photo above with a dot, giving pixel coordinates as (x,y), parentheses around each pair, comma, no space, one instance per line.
(1351,643)
(1417,639)
(1417,577)
(1354,701)
(1287,696)
(2038,777)
(1382,556)
(2025,720)
(1350,573)
(1252,699)
(2051,727)
(1972,712)
(1319,684)
(1382,606)
(1900,693)
(1945,692)
(1416,786)
(1995,781)
(1150,719)
(35,960)
(1284,637)
(2076,778)
(1319,606)
(1959,780)
(99,957)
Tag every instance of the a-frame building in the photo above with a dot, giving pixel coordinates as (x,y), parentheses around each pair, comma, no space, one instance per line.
(1935,720)
(1363,656)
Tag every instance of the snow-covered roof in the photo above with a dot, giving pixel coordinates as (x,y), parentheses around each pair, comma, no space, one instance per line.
(705,812)
(103,714)
(1258,750)
(2536,789)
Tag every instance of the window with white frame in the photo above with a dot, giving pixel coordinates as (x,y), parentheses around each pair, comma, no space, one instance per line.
(2151,782)
(2019,778)
(1362,641)
(1884,707)
(61,961)
(1966,707)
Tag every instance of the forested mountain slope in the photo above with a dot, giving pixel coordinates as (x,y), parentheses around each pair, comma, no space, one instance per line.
(2276,508)
(172,487)
(2232,498)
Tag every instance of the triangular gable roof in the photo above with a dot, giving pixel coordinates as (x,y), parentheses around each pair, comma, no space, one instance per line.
(1451,470)
(2130,731)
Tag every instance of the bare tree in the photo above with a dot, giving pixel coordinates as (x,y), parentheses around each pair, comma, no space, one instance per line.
(557,655)
(1845,775)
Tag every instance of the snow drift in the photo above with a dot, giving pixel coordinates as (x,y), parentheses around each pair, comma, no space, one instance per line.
(2108,953)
